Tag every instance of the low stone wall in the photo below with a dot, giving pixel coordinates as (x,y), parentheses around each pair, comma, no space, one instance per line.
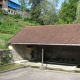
(6,53)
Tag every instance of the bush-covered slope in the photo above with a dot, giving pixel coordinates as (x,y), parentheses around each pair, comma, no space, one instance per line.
(10,25)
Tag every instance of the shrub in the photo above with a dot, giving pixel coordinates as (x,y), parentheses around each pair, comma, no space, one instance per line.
(6,58)
(17,16)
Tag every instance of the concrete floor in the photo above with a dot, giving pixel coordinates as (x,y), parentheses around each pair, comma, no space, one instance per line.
(37,74)
(49,66)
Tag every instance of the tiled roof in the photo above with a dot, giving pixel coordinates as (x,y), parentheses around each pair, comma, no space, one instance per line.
(48,35)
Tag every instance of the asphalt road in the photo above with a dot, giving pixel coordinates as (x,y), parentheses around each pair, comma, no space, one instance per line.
(36,74)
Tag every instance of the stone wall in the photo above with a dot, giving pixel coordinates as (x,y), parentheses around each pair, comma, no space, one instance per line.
(4,51)
(20,52)
(16,52)
(14,12)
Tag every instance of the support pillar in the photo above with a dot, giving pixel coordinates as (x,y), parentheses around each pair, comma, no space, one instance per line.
(42,66)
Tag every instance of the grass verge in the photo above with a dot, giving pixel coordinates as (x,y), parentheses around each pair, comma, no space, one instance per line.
(10,67)
(5,36)
(3,40)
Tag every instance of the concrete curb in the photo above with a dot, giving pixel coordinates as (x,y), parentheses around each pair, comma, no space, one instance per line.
(54,67)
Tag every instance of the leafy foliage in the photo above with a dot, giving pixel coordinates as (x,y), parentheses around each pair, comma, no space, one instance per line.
(6,58)
(67,14)
(4,45)
(14,23)
(78,14)
(10,25)
(43,11)
(17,16)
(23,4)
(35,10)
(49,11)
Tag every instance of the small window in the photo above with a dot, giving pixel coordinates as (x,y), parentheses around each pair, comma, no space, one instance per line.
(11,11)
(14,12)
(8,10)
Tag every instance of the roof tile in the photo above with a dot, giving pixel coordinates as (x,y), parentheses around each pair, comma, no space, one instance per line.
(48,34)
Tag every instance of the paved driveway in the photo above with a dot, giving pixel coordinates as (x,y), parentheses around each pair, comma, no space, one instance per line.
(36,74)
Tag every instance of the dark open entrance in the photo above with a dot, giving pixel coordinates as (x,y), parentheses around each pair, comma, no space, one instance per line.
(65,55)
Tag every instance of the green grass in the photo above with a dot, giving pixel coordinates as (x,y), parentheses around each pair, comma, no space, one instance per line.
(10,67)
(12,25)
(3,40)
(5,36)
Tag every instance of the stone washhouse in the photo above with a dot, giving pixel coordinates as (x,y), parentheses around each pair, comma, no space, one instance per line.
(53,44)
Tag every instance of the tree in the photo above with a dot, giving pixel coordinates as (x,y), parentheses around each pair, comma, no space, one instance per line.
(78,14)
(35,9)
(23,4)
(67,13)
(43,11)
(49,11)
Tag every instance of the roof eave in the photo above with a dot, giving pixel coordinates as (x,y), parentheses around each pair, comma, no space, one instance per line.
(47,44)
